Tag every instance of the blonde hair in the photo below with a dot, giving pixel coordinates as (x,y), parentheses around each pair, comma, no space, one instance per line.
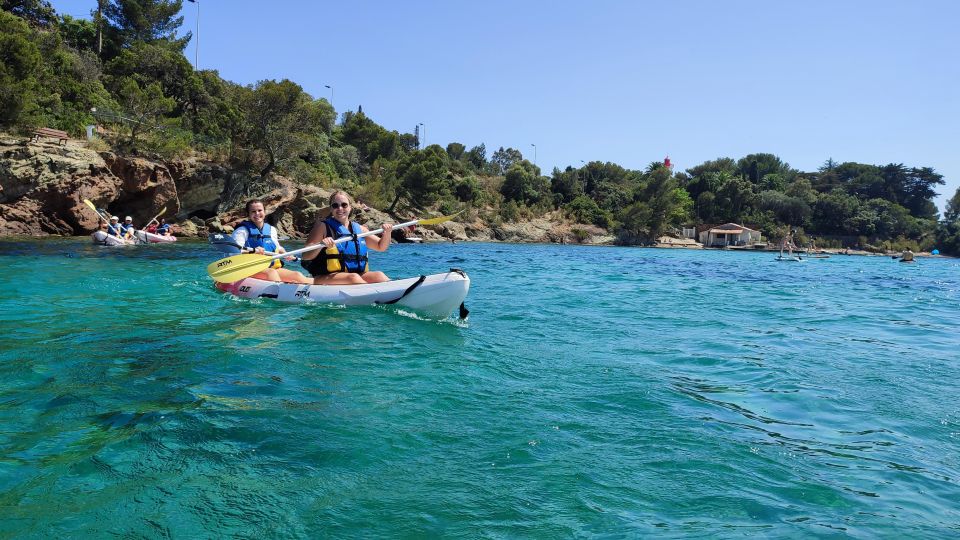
(340,192)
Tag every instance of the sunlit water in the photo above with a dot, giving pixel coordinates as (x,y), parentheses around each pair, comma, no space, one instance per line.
(592,392)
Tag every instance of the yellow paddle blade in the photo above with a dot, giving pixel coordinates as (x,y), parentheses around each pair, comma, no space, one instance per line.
(94,208)
(154,218)
(237,267)
(436,220)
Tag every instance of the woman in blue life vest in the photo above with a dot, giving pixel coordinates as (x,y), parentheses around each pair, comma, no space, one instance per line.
(163,229)
(344,263)
(256,235)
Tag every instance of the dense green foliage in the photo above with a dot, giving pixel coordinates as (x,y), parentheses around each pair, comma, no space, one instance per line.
(125,70)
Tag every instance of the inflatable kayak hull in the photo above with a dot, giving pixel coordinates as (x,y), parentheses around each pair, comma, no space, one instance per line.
(104,239)
(150,238)
(437,295)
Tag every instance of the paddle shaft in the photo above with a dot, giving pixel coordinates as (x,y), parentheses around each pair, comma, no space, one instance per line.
(241,266)
(104,218)
(94,208)
(164,209)
(342,240)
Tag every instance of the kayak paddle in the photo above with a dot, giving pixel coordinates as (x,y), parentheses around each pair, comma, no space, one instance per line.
(245,265)
(94,208)
(162,210)
(103,217)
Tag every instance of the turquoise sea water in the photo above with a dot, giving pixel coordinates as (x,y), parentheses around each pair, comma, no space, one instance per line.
(593,391)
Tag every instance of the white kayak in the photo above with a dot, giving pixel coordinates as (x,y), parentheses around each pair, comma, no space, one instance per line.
(104,239)
(436,295)
(150,238)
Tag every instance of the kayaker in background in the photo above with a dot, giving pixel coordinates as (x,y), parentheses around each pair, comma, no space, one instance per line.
(257,235)
(113,229)
(127,228)
(163,229)
(344,263)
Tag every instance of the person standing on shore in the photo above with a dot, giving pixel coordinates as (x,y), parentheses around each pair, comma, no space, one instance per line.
(345,263)
(256,235)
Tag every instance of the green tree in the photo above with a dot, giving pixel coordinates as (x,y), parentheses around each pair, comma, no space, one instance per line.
(503,159)
(790,210)
(755,167)
(832,213)
(81,34)
(369,138)
(21,58)
(145,108)
(893,220)
(948,231)
(422,176)
(477,157)
(277,115)
(35,12)
(719,165)
(566,185)
(912,188)
(456,150)
(72,85)
(149,21)
(802,189)
(952,211)
(150,62)
(659,203)
(583,209)
(735,198)
(522,184)
(705,208)
(467,189)
(215,113)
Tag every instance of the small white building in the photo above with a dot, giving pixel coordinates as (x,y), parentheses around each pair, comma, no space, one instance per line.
(729,234)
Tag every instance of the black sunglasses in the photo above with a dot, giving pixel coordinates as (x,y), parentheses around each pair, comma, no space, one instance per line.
(341,205)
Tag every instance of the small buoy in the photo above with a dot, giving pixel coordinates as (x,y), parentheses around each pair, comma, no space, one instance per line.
(935,252)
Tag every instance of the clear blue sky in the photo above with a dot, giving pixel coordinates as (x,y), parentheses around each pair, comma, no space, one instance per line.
(871,81)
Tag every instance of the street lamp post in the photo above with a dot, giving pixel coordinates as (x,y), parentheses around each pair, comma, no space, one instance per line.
(423,129)
(196,46)
(327,86)
(330,87)
(534,154)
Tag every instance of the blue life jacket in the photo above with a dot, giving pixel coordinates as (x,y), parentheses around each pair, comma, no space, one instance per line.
(163,228)
(113,230)
(124,227)
(258,237)
(352,254)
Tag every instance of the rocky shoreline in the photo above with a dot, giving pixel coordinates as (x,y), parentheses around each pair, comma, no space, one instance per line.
(43,185)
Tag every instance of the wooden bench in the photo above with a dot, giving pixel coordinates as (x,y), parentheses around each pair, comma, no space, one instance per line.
(52,133)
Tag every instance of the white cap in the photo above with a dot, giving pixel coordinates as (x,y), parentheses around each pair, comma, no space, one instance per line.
(114,218)
(128,218)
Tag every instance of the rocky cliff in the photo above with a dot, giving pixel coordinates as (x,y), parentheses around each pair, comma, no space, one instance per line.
(43,185)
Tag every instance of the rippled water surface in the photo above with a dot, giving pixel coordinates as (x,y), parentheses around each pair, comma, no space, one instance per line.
(592,392)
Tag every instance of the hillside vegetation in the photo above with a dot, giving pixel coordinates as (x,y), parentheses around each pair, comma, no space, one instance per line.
(124,69)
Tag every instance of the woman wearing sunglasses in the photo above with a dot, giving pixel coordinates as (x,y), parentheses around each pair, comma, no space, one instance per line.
(344,263)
